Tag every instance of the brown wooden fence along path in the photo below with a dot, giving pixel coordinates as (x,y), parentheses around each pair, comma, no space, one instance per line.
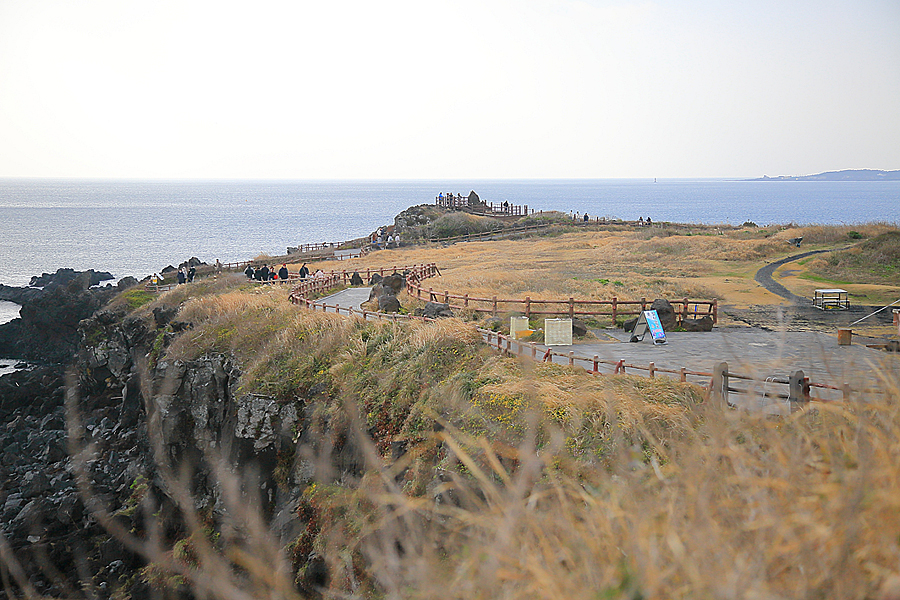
(795,389)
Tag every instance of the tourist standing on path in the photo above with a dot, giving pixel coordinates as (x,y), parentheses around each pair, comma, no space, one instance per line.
(283,272)
(249,272)
(264,273)
(304,271)
(181,276)
(192,272)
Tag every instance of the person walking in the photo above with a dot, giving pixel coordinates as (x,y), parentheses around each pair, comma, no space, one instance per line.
(304,271)
(192,272)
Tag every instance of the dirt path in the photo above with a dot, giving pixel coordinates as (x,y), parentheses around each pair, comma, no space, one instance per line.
(764,275)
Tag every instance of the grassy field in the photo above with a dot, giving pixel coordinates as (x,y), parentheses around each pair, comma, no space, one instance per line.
(698,262)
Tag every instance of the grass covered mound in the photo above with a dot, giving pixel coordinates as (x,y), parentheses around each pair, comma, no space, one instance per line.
(875,260)
(484,476)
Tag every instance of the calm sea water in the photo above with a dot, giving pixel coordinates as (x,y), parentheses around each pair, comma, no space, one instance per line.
(138,227)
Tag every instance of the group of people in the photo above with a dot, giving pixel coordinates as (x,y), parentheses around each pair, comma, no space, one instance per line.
(268,273)
(380,242)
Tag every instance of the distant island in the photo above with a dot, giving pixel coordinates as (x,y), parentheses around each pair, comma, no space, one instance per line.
(845,175)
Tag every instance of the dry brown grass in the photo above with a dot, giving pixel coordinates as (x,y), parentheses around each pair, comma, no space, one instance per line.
(539,481)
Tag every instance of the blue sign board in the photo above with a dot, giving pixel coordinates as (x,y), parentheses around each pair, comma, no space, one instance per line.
(656,328)
(648,321)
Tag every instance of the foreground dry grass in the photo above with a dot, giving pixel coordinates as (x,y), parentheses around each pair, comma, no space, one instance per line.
(542,481)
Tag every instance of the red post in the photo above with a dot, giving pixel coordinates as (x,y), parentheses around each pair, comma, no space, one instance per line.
(684,315)
(715,311)
(614,309)
(571,308)
(596,365)
(466,300)
(643,304)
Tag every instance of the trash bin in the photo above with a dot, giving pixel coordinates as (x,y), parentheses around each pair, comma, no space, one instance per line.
(845,337)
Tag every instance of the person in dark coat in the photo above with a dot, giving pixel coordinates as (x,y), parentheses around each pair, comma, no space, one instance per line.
(264,273)
(249,272)
(191,273)
(304,271)
(283,273)
(181,276)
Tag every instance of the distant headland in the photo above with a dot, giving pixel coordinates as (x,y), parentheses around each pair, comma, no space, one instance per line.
(845,175)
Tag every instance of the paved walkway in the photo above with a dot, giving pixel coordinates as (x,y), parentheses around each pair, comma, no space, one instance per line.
(349,298)
(747,350)
(753,352)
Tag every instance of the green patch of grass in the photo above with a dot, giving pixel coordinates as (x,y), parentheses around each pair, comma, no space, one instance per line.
(137,297)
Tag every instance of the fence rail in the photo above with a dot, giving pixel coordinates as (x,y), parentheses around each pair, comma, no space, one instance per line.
(613,308)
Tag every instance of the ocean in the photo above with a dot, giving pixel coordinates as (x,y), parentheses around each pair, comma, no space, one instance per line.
(138,227)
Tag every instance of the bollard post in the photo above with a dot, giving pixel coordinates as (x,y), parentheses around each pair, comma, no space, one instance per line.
(683,378)
(614,303)
(719,389)
(596,365)
(846,391)
(799,387)
(652,370)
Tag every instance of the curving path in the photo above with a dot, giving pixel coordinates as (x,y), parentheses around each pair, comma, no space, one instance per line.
(764,275)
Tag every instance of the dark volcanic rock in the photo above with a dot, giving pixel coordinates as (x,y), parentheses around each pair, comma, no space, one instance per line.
(701,324)
(356,279)
(666,313)
(388,303)
(436,310)
(47,327)
(19,295)
(64,276)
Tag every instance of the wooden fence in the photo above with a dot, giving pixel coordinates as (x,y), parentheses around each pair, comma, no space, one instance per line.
(684,308)
(717,383)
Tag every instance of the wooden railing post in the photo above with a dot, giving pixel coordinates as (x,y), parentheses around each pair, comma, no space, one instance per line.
(571,308)
(643,304)
(446,297)
(596,368)
(715,311)
(571,358)
(466,301)
(684,315)
(494,310)
(652,369)
(719,389)
(614,310)
(528,306)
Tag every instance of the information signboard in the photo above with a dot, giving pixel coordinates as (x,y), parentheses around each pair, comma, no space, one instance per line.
(648,321)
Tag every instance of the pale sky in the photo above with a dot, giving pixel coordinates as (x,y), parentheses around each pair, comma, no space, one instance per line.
(450,89)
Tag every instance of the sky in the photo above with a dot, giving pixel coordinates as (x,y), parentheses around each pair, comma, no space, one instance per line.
(356,89)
